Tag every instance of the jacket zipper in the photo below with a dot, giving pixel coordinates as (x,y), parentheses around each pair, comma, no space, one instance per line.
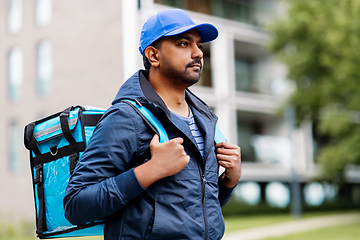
(203,183)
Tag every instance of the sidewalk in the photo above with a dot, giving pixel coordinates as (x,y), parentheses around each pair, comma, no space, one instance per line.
(296,226)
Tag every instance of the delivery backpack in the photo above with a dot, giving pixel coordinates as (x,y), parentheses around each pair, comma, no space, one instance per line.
(56,143)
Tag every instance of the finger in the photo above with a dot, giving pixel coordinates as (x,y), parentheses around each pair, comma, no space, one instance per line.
(226,151)
(178,140)
(232,159)
(225,164)
(219,145)
(225,158)
(229,152)
(226,145)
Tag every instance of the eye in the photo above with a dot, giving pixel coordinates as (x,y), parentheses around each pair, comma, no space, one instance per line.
(184,44)
(200,46)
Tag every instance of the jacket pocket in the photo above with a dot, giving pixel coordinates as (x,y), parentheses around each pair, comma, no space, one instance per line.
(166,225)
(178,213)
(150,225)
(215,217)
(138,221)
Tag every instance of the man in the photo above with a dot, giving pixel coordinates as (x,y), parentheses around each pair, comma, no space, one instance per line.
(151,190)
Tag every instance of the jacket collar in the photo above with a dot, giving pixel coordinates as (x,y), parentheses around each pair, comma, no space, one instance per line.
(137,87)
(150,93)
(195,102)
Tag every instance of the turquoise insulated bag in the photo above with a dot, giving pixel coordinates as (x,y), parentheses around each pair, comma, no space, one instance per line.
(56,143)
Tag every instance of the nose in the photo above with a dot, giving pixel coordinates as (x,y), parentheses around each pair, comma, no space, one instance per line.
(197,52)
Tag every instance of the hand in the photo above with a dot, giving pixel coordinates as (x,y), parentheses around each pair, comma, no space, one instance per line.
(167,159)
(229,157)
(170,156)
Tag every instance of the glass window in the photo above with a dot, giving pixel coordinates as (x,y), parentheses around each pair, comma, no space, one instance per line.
(247,59)
(44,67)
(247,127)
(262,138)
(14,17)
(244,75)
(15,142)
(15,73)
(43,12)
(238,10)
(173,3)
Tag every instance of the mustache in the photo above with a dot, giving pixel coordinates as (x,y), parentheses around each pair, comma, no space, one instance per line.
(196,61)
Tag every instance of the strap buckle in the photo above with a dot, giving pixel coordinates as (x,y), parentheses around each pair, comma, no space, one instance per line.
(73,161)
(38,178)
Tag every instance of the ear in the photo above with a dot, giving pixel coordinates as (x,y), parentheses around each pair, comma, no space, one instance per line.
(152,55)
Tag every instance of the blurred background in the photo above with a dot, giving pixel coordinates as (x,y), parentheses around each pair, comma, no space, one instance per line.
(282,77)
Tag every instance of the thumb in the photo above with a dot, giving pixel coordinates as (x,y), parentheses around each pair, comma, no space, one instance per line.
(155,140)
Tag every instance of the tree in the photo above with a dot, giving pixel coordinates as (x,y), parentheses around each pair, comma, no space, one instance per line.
(320,43)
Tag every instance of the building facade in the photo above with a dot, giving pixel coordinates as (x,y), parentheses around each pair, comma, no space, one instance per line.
(58,53)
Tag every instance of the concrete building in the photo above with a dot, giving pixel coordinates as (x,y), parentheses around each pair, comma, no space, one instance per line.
(54,54)
(57,53)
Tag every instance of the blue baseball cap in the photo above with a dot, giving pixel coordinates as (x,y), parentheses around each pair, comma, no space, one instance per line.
(172,22)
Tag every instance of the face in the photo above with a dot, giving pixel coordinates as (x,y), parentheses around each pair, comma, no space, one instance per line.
(181,58)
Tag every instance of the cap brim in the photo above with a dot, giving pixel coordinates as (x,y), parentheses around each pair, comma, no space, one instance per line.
(207,31)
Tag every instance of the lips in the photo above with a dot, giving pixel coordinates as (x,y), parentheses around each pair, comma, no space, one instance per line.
(196,64)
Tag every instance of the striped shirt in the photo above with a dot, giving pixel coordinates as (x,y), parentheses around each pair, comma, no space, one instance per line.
(194,131)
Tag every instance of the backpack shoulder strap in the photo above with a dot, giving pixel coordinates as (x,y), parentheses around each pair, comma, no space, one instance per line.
(150,119)
(156,125)
(219,136)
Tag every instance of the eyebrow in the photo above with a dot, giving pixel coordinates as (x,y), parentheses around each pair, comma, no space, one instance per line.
(187,37)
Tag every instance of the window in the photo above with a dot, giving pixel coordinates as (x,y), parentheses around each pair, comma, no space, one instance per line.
(15,73)
(173,3)
(15,142)
(44,67)
(238,10)
(14,17)
(244,75)
(205,79)
(262,138)
(247,58)
(43,12)
(254,70)
(248,126)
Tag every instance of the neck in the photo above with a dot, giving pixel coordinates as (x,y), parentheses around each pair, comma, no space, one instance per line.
(172,95)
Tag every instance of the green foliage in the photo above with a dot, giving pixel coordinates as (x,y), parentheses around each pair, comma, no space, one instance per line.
(343,232)
(234,208)
(23,230)
(240,222)
(320,43)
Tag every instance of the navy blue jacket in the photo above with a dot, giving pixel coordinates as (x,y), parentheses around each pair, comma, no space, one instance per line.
(186,205)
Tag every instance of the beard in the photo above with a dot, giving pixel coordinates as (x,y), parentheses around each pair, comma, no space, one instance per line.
(187,77)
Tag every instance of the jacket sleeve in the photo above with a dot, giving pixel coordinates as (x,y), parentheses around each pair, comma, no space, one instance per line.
(101,183)
(224,192)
